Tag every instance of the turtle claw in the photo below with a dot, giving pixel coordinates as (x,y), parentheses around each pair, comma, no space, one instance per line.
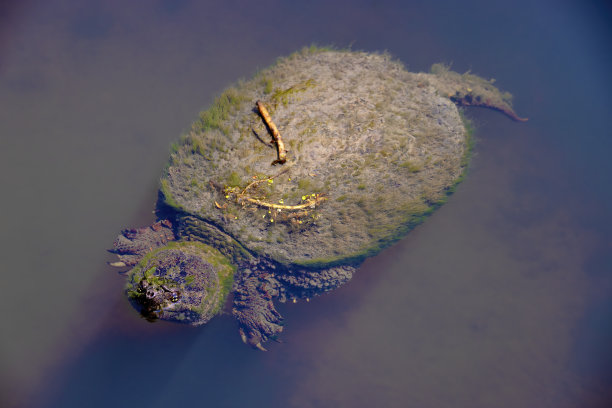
(249,340)
(243,336)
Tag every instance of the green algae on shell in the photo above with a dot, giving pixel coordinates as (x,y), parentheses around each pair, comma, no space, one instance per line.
(380,143)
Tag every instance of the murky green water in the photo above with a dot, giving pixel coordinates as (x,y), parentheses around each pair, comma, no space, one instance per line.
(502,298)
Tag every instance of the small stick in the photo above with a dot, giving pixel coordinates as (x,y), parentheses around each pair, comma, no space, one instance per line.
(276,137)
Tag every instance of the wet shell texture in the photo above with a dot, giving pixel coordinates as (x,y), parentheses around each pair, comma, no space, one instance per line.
(371,149)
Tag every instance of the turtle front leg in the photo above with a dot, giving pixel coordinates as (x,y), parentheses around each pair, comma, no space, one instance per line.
(132,244)
(255,311)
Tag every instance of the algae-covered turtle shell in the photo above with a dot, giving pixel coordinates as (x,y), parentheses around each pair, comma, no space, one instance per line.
(299,174)
(377,142)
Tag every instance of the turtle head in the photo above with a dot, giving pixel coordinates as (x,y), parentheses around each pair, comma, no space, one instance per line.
(152,298)
(184,282)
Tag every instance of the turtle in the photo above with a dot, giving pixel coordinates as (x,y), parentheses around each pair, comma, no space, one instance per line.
(290,180)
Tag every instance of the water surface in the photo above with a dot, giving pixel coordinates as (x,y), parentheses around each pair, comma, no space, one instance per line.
(502,298)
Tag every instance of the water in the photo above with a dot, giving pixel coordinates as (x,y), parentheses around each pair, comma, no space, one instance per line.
(502,298)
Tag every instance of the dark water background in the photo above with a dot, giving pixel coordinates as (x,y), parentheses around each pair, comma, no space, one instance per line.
(503,298)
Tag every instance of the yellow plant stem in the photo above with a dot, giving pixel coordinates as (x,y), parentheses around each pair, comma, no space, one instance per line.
(306,204)
(269,180)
